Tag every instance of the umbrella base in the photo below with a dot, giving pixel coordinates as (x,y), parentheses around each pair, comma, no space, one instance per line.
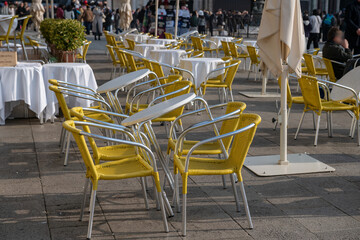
(260,95)
(266,166)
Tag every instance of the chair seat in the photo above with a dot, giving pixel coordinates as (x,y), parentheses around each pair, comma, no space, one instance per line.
(243,55)
(336,106)
(212,148)
(116,152)
(321,71)
(298,100)
(204,166)
(101,117)
(209,49)
(125,168)
(214,84)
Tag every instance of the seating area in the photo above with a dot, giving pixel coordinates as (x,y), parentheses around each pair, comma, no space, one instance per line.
(135,118)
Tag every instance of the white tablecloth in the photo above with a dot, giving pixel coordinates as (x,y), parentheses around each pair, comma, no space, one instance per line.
(4,25)
(78,73)
(201,67)
(161,41)
(23,82)
(250,43)
(217,40)
(144,49)
(168,56)
(140,38)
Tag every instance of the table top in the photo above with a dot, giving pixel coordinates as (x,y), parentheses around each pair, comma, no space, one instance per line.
(123,81)
(169,51)
(68,65)
(149,45)
(159,109)
(204,60)
(350,79)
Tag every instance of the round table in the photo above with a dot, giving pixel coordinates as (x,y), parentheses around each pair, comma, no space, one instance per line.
(201,67)
(350,79)
(144,49)
(77,73)
(123,81)
(161,41)
(168,56)
(22,82)
(4,24)
(217,40)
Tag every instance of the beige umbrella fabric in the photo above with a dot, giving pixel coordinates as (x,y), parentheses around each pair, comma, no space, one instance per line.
(125,14)
(281,41)
(37,11)
(281,36)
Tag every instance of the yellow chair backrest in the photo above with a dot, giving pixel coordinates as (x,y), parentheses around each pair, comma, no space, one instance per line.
(131,44)
(197,43)
(330,69)
(23,28)
(225,46)
(131,65)
(156,67)
(61,99)
(310,91)
(316,51)
(233,49)
(253,55)
(147,64)
(85,50)
(169,36)
(242,142)
(121,56)
(231,72)
(174,87)
(69,125)
(112,54)
(239,40)
(309,62)
(231,124)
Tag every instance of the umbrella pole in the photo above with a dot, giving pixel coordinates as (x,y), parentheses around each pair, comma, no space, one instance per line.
(176,18)
(156,16)
(283,130)
(52,8)
(47,8)
(265,75)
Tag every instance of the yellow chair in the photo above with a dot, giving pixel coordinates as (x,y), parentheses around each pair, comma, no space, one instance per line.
(131,44)
(226,83)
(230,165)
(132,65)
(7,36)
(198,46)
(254,59)
(133,167)
(225,48)
(85,49)
(239,40)
(169,36)
(59,93)
(329,69)
(115,62)
(212,148)
(236,54)
(20,36)
(311,69)
(310,91)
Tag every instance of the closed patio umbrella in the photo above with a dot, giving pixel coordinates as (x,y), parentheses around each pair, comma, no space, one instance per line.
(281,42)
(125,14)
(37,11)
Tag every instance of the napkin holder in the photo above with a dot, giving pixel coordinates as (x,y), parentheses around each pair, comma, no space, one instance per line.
(8,59)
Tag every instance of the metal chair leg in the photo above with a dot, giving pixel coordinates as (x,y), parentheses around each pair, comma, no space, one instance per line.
(223,181)
(177,197)
(67,149)
(236,196)
(247,210)
(166,227)
(317,130)
(84,198)
(231,95)
(144,192)
(314,120)
(184,215)
(91,218)
(300,123)
(23,46)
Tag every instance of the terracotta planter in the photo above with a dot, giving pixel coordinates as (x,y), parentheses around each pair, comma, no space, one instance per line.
(66,56)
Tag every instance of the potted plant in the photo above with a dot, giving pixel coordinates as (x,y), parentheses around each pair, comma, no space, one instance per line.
(64,37)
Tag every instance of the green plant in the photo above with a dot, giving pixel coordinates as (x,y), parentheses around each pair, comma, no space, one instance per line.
(47,28)
(68,35)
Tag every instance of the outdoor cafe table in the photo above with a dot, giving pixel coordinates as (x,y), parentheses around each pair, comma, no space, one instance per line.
(155,111)
(160,41)
(170,57)
(201,67)
(144,49)
(22,82)
(217,40)
(139,38)
(350,79)
(77,73)
(4,24)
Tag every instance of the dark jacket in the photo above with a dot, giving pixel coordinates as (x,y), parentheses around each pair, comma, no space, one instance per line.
(352,19)
(337,53)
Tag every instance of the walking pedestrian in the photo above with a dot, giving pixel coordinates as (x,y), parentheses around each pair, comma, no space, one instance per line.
(97,24)
(314,35)
(88,17)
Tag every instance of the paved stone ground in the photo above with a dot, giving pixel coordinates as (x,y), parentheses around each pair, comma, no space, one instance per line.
(40,198)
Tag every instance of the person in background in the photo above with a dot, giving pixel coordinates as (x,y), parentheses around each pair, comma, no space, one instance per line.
(220,23)
(117,21)
(108,15)
(194,21)
(352,31)
(337,49)
(97,24)
(307,26)
(202,22)
(88,17)
(60,12)
(212,20)
(314,35)
(328,22)
(69,13)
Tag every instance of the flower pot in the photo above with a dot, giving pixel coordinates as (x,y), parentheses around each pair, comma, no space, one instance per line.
(66,56)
